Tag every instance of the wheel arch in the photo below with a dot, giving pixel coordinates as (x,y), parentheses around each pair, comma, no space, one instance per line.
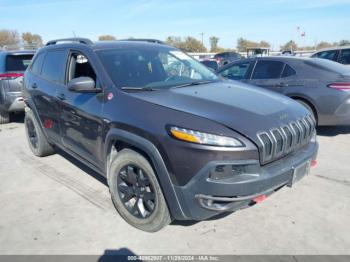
(118,139)
(308,102)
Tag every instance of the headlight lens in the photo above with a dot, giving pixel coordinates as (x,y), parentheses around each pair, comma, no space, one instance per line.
(204,138)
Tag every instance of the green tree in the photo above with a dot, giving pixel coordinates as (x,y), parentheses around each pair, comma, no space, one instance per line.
(9,38)
(243,44)
(290,45)
(188,44)
(324,44)
(106,38)
(344,42)
(32,39)
(213,43)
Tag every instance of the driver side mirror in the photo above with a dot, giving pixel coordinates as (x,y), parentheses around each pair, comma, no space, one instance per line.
(83,85)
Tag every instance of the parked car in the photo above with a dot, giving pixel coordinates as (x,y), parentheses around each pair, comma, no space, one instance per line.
(12,66)
(226,58)
(211,63)
(181,144)
(322,86)
(336,54)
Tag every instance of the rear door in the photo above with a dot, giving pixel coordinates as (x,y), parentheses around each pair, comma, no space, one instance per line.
(267,74)
(81,113)
(47,76)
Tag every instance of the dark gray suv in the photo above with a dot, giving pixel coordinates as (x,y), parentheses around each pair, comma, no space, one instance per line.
(173,140)
(12,66)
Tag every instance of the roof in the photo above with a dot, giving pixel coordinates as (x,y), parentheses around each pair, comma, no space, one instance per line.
(334,48)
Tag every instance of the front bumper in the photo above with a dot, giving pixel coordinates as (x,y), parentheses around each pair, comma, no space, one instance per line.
(203,197)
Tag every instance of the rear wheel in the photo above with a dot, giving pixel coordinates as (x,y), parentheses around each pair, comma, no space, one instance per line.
(4,117)
(35,137)
(136,193)
(308,107)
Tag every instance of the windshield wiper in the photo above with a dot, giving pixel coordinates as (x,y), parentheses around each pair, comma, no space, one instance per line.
(195,83)
(135,88)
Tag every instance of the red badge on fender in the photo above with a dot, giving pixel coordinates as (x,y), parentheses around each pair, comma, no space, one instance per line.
(110,96)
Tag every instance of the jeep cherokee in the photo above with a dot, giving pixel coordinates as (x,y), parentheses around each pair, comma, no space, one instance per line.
(175,141)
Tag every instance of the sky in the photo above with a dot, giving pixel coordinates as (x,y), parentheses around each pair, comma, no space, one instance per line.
(275,21)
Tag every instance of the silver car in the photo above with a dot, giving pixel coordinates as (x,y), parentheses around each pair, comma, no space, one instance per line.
(12,66)
(321,85)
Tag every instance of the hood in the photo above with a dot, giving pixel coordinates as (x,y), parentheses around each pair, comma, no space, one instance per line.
(244,108)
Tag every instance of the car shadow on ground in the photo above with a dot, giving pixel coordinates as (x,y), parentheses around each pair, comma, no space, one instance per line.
(122,254)
(331,131)
(82,166)
(187,223)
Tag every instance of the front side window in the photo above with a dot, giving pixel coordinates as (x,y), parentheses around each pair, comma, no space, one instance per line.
(330,55)
(79,66)
(54,66)
(153,67)
(236,72)
(345,57)
(268,70)
(17,63)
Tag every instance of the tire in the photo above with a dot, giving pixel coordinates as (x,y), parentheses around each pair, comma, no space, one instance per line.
(35,137)
(4,117)
(125,180)
(308,107)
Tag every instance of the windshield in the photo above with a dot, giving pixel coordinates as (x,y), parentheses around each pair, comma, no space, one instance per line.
(153,67)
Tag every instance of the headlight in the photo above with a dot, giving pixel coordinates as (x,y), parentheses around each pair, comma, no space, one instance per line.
(204,138)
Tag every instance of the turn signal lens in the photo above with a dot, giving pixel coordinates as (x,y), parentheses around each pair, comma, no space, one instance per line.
(204,138)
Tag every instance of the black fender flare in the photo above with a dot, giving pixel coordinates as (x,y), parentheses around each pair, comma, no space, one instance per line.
(160,169)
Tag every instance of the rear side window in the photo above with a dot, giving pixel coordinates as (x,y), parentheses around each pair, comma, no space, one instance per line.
(330,55)
(345,57)
(288,71)
(54,66)
(17,62)
(268,70)
(236,72)
(37,64)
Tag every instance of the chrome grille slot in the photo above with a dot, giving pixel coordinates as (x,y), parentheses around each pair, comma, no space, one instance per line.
(280,141)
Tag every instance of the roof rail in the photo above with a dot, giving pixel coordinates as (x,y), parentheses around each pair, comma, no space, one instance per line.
(80,40)
(156,41)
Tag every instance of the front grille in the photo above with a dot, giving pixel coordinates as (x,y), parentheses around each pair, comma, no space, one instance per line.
(280,141)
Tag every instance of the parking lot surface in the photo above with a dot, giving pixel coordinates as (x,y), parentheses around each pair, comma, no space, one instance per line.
(54,205)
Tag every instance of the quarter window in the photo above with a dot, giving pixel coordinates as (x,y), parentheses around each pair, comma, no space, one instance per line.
(288,71)
(54,66)
(268,70)
(79,66)
(37,64)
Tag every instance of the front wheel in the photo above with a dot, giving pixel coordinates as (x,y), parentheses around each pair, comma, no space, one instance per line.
(136,193)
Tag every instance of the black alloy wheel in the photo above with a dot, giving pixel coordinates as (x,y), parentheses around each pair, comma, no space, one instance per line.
(32,135)
(136,191)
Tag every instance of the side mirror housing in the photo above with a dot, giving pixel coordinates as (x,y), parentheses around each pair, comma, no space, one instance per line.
(83,85)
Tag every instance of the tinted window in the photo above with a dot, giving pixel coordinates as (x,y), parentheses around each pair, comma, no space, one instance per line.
(236,72)
(37,64)
(345,57)
(268,70)
(288,71)
(330,55)
(210,64)
(54,66)
(18,62)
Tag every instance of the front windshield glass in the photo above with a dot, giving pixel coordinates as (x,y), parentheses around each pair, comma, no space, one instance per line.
(153,67)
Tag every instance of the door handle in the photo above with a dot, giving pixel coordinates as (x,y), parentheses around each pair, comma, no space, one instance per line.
(282,84)
(61,97)
(34,86)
